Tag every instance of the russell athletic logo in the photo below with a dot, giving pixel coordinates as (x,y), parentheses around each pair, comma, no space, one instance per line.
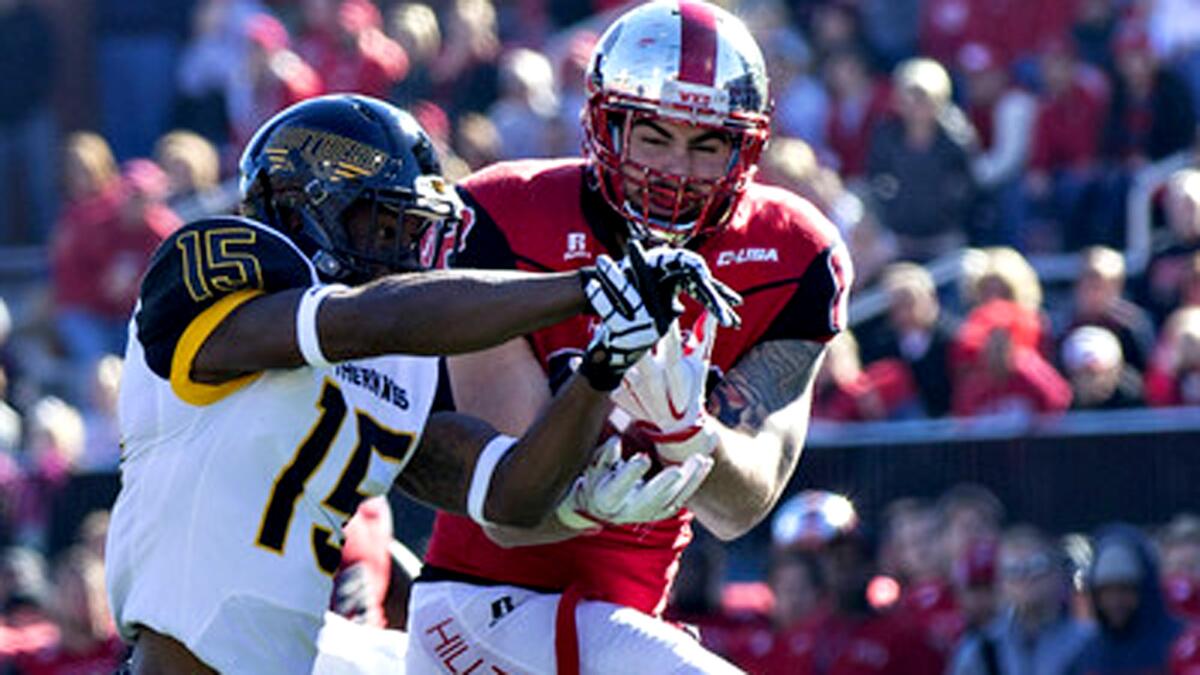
(747,255)
(576,246)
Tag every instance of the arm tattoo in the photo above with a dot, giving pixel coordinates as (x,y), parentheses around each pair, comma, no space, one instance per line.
(770,377)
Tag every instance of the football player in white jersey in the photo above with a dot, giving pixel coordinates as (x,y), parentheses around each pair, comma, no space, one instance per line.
(281,369)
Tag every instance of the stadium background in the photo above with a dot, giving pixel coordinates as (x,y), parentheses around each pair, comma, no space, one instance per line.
(1068,125)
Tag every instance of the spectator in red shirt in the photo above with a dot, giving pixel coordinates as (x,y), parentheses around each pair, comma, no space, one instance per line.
(343,40)
(801,617)
(88,643)
(1002,273)
(927,600)
(974,578)
(847,392)
(1185,652)
(272,78)
(969,513)
(858,103)
(853,639)
(1072,106)
(93,194)
(945,28)
(97,261)
(1005,375)
(1173,378)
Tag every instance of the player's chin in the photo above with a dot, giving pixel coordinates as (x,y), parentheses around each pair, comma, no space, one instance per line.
(666,210)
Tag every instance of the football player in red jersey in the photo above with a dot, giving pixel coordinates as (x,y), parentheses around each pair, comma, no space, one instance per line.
(676,118)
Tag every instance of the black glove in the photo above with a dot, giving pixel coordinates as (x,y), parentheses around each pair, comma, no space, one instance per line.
(664,271)
(627,329)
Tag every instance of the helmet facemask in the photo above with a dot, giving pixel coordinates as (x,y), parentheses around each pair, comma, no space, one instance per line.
(684,62)
(665,207)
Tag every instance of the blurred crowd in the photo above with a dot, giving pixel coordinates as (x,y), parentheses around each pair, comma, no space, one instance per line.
(1002,128)
(948,586)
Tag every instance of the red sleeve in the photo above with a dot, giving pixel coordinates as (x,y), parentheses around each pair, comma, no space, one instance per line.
(1160,388)
(964,399)
(1051,392)
(892,380)
(483,245)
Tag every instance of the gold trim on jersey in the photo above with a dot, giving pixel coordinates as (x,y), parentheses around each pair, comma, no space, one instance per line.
(197,393)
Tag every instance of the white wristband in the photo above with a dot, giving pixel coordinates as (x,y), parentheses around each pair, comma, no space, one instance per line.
(306,324)
(481,479)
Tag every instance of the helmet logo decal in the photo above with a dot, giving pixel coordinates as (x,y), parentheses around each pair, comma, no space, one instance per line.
(333,157)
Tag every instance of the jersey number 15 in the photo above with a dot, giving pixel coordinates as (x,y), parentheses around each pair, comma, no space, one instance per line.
(345,497)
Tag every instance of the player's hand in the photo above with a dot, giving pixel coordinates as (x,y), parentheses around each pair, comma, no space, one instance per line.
(615,490)
(664,392)
(352,593)
(627,329)
(664,271)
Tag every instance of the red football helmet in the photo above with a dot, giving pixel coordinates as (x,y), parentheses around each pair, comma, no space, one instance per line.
(679,61)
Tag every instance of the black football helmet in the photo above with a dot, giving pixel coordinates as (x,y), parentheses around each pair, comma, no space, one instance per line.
(314,160)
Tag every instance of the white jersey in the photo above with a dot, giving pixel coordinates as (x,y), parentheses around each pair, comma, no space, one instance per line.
(227,529)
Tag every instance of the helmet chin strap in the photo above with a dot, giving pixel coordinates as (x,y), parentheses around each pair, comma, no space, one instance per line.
(662,232)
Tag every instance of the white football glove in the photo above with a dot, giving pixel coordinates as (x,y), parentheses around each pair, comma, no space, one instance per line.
(627,328)
(664,392)
(614,490)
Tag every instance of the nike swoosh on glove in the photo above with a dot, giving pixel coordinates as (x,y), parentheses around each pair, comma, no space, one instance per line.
(664,392)
(615,490)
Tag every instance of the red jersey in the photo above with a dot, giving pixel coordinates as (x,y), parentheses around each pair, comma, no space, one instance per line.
(1032,386)
(839,645)
(885,644)
(101,659)
(1064,135)
(776,249)
(933,609)
(1185,652)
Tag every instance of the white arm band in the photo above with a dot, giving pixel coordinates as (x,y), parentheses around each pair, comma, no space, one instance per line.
(306,324)
(481,479)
